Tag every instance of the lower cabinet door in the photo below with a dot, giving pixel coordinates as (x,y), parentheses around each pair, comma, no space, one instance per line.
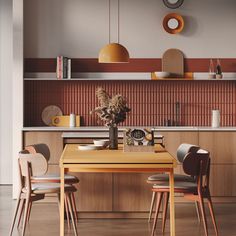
(94,192)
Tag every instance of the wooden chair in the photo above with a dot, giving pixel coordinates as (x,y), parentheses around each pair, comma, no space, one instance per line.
(52,178)
(197,165)
(36,165)
(182,150)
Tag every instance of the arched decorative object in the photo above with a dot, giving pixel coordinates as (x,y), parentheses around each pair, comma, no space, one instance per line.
(173,23)
(173,4)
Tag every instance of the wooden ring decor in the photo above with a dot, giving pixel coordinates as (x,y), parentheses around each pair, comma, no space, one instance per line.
(173,23)
(173,4)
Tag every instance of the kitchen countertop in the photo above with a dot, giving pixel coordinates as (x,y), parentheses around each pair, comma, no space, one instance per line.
(102,129)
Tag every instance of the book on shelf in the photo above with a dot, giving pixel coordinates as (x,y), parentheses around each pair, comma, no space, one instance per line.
(63,70)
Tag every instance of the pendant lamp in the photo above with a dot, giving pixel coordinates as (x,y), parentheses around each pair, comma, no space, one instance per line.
(113,52)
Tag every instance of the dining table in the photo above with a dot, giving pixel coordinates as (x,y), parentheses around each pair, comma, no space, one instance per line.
(116,161)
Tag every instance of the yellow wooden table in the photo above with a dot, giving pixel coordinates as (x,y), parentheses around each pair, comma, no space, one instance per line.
(74,160)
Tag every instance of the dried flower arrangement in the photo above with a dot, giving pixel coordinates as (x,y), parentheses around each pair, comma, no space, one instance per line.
(112,110)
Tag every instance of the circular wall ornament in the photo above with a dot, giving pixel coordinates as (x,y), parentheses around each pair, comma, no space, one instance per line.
(173,4)
(173,23)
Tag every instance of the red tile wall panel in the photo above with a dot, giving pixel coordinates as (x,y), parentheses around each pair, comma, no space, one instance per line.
(152,102)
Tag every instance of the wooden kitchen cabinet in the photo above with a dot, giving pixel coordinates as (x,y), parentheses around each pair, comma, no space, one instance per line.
(94,192)
(222,180)
(222,148)
(131,192)
(118,192)
(173,139)
(221,145)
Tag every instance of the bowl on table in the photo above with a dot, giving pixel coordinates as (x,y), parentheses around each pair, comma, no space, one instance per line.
(102,142)
(90,147)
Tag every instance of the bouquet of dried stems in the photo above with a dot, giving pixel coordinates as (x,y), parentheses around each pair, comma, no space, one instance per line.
(111,110)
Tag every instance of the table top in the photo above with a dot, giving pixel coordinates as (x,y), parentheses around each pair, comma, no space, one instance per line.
(72,155)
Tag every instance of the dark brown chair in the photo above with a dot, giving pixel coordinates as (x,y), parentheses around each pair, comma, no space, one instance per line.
(182,150)
(197,165)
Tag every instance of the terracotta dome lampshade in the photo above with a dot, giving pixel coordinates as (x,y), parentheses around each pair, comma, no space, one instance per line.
(113,53)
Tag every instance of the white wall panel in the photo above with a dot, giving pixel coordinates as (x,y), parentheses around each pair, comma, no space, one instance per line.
(5,91)
(79,28)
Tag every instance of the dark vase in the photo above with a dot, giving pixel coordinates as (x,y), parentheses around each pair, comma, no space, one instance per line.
(113,137)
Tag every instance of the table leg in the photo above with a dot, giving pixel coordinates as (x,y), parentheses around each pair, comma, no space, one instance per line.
(172,203)
(62,200)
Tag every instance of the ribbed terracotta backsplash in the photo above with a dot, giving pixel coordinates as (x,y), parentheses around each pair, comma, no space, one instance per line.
(152,102)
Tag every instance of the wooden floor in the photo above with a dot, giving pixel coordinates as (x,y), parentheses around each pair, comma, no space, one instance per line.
(45,221)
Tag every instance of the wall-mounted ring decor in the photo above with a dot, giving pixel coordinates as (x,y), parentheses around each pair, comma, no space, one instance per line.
(173,23)
(173,4)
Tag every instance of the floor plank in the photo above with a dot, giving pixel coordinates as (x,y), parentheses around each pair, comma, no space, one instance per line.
(45,221)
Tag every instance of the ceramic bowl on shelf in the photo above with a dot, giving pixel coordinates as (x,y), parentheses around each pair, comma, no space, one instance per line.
(102,142)
(162,74)
(90,147)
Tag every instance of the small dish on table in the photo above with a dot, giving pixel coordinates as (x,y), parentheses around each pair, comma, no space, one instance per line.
(102,142)
(89,147)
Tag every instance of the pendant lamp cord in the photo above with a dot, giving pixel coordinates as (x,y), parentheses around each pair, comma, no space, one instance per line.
(109,22)
(118,21)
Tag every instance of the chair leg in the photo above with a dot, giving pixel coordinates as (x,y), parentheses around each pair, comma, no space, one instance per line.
(29,211)
(22,204)
(203,214)
(212,214)
(71,213)
(25,214)
(197,211)
(166,200)
(158,204)
(74,206)
(66,208)
(151,206)
(15,214)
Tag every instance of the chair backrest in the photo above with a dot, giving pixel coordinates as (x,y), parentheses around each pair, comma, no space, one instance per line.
(37,162)
(196,164)
(184,149)
(39,148)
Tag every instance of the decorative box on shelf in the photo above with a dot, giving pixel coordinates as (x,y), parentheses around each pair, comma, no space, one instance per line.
(139,140)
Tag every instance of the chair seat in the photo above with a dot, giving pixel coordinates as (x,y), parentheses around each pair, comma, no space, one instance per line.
(178,185)
(45,188)
(165,177)
(69,179)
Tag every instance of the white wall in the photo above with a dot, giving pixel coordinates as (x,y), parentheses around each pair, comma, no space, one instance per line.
(5,91)
(79,28)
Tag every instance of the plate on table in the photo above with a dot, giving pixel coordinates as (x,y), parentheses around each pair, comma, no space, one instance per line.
(90,147)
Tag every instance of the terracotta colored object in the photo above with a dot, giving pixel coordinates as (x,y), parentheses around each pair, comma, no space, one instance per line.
(113,53)
(173,62)
(180,23)
(135,65)
(152,102)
